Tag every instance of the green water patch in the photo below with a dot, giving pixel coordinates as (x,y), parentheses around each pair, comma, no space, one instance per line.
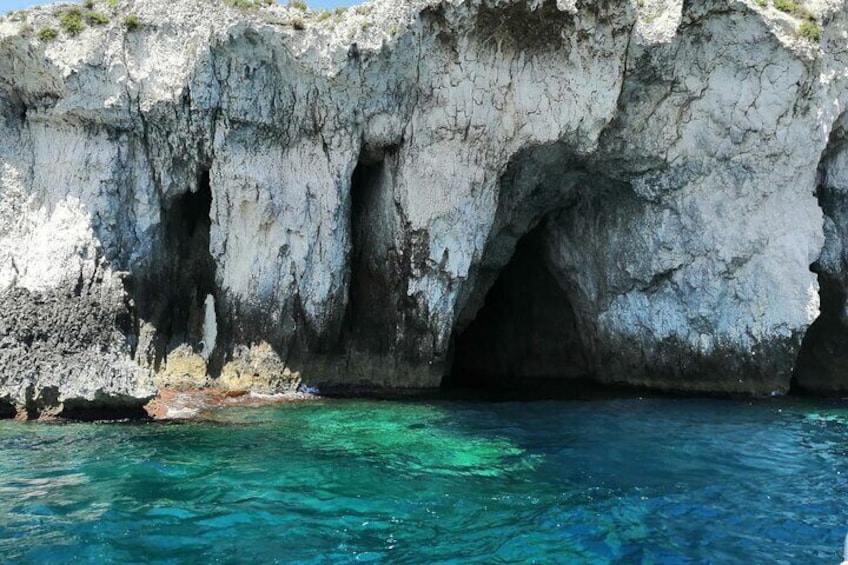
(419,439)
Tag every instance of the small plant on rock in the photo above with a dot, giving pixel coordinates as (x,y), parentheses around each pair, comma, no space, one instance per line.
(810,30)
(112,3)
(89,4)
(47,34)
(787,6)
(298,5)
(96,18)
(71,21)
(131,22)
(250,4)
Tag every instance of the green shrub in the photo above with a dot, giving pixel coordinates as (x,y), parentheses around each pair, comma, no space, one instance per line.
(298,5)
(787,6)
(250,4)
(112,3)
(89,4)
(71,21)
(324,15)
(131,22)
(762,3)
(47,34)
(96,18)
(810,30)
(339,11)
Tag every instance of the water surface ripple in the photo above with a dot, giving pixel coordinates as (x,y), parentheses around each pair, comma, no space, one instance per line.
(620,481)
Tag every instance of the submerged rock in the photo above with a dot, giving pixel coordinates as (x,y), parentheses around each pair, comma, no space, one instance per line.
(347,188)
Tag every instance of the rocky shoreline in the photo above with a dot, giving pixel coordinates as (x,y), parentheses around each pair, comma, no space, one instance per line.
(417,195)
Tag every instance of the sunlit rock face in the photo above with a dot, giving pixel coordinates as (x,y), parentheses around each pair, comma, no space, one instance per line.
(342,191)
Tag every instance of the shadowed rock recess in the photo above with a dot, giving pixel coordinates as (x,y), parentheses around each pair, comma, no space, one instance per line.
(408,195)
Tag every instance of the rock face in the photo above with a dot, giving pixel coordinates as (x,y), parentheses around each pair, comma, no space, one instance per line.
(265,196)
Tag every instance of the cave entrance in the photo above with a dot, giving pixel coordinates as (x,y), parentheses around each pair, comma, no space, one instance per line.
(191,268)
(374,309)
(525,337)
(369,318)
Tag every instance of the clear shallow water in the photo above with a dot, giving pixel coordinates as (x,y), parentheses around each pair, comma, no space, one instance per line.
(624,481)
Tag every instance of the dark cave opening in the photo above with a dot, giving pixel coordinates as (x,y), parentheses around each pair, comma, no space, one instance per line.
(7,409)
(822,356)
(371,316)
(182,271)
(525,337)
(822,363)
(187,225)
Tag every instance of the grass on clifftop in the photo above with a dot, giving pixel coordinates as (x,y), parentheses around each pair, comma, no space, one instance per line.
(47,34)
(809,29)
(96,18)
(71,21)
(250,4)
(793,8)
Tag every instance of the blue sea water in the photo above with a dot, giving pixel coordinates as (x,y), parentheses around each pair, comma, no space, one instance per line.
(332,481)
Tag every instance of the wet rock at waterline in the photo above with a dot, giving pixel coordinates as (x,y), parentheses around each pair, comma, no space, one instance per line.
(268,197)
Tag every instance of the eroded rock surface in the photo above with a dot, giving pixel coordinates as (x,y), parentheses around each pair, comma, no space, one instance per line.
(344,190)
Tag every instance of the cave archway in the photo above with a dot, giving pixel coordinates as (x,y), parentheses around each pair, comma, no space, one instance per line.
(187,224)
(525,338)
(179,274)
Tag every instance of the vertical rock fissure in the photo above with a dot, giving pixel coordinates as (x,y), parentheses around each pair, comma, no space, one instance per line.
(192,267)
(382,330)
(525,337)
(177,301)
(369,324)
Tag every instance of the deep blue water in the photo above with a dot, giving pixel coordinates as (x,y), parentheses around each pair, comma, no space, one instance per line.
(622,481)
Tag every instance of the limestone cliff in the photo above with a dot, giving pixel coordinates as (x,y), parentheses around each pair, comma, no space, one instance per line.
(232,193)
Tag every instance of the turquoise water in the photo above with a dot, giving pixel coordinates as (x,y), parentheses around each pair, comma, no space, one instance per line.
(623,481)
